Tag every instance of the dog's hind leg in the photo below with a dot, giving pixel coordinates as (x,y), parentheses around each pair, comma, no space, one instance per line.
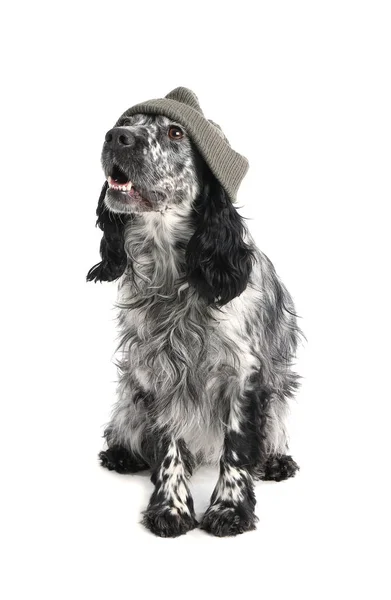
(279,467)
(126,435)
(275,463)
(170,511)
(118,458)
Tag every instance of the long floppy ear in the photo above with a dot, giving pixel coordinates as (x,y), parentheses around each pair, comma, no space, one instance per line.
(219,260)
(112,251)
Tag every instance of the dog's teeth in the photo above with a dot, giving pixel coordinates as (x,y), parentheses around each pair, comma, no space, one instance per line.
(120,187)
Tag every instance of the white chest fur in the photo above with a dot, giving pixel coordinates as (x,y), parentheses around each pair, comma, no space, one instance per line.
(183,352)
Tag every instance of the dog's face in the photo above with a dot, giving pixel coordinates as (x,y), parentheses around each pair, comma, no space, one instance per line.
(150,164)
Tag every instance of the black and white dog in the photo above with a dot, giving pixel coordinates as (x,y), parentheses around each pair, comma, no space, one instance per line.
(208,332)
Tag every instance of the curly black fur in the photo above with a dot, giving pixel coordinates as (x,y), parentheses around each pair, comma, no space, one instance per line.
(218,259)
(112,251)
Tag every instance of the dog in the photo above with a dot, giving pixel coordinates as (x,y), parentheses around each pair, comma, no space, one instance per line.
(208,332)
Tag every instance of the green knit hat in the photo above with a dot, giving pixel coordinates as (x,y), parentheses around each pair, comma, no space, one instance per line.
(181,105)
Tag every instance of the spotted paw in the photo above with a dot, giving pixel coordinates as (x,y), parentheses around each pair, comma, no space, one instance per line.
(279,468)
(119,459)
(168,521)
(222,520)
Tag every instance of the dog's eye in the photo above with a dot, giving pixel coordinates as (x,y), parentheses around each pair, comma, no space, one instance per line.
(175,133)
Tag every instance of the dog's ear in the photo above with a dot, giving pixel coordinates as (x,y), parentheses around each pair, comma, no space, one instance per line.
(112,251)
(219,261)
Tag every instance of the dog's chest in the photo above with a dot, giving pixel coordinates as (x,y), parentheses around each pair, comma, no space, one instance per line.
(171,334)
(174,342)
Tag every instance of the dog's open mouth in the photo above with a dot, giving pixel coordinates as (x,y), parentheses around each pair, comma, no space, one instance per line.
(118,181)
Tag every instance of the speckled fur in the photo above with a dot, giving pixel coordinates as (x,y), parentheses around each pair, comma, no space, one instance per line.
(200,378)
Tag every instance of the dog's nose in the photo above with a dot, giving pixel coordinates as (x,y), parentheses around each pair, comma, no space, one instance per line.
(119,136)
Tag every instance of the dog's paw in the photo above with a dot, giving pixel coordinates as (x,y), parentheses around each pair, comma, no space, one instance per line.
(222,520)
(122,461)
(279,468)
(168,521)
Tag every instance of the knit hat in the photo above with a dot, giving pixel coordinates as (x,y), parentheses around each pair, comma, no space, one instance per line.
(181,105)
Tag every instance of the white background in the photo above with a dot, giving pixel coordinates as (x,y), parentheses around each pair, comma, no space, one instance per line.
(303,90)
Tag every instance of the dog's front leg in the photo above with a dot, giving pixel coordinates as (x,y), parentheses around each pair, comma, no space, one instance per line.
(231,510)
(170,512)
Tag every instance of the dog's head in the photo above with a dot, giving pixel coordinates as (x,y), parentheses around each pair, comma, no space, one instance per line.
(151,164)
